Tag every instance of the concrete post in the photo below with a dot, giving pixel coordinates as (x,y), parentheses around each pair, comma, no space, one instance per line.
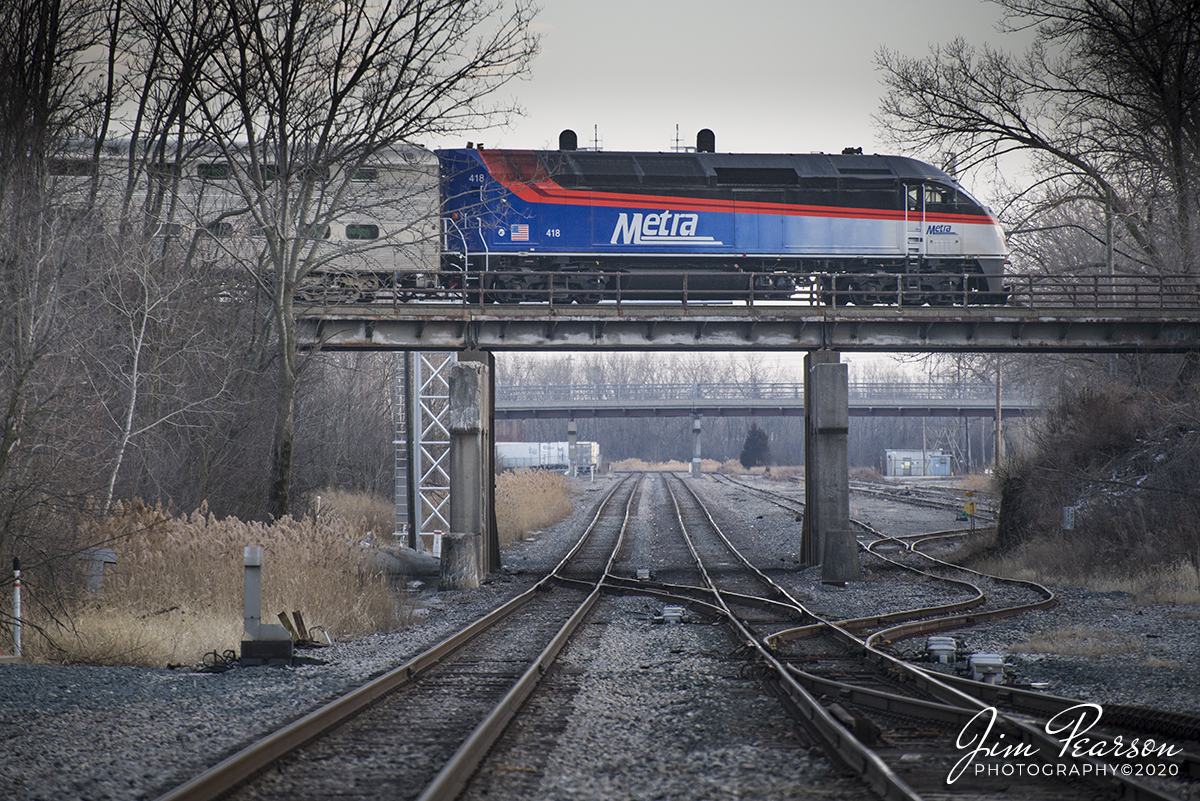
(468,495)
(827,480)
(262,643)
(696,472)
(572,448)
(97,558)
(252,590)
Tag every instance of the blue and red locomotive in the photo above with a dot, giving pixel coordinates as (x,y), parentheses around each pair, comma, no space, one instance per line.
(869,228)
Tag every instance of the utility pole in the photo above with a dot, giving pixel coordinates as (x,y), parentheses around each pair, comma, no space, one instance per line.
(999,428)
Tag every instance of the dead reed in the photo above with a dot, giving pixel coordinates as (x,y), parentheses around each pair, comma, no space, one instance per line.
(176,590)
(529,500)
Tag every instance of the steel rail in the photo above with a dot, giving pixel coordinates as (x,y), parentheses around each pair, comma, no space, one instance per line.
(457,771)
(852,750)
(244,764)
(905,630)
(877,773)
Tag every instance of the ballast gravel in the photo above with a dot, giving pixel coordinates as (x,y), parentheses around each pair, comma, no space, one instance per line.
(99,733)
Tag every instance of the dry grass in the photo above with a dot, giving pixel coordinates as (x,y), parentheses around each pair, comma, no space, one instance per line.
(176,590)
(1079,641)
(1058,560)
(865,474)
(782,473)
(975,482)
(637,465)
(373,513)
(529,500)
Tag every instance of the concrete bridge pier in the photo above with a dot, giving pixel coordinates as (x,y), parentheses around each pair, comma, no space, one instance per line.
(826,537)
(472,472)
(696,472)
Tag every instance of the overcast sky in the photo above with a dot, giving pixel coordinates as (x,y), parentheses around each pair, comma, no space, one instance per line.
(764,75)
(773,76)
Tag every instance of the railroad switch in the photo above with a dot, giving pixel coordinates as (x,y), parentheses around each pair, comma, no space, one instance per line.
(865,730)
(673,614)
(988,668)
(941,649)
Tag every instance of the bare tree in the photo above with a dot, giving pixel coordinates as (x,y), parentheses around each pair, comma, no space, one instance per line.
(297,100)
(43,253)
(1106,105)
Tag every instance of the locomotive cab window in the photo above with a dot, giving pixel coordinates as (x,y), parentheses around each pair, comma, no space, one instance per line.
(936,198)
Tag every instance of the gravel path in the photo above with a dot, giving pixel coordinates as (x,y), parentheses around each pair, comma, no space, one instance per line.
(131,733)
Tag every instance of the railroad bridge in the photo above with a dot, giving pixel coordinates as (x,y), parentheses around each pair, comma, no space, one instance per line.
(1060,313)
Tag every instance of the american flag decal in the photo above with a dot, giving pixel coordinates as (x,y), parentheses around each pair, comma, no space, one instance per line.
(520,233)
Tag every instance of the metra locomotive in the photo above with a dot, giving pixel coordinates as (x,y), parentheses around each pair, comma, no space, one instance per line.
(875,228)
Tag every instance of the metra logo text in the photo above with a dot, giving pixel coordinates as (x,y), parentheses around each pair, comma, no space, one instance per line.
(665,228)
(940,229)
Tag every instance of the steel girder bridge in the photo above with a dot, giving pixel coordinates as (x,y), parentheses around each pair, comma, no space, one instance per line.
(1094,313)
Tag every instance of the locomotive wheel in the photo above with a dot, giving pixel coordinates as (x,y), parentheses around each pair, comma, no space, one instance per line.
(509,289)
(592,292)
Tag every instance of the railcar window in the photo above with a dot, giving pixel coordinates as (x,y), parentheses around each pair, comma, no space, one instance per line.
(215,171)
(362,231)
(220,229)
(74,167)
(311,173)
(317,232)
(365,174)
(169,229)
(166,170)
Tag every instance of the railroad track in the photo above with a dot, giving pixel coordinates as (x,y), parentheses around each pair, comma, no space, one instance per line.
(886,701)
(893,722)
(928,497)
(462,691)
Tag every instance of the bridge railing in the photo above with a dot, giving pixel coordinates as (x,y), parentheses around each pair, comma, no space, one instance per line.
(1033,291)
(792,391)
(1105,292)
